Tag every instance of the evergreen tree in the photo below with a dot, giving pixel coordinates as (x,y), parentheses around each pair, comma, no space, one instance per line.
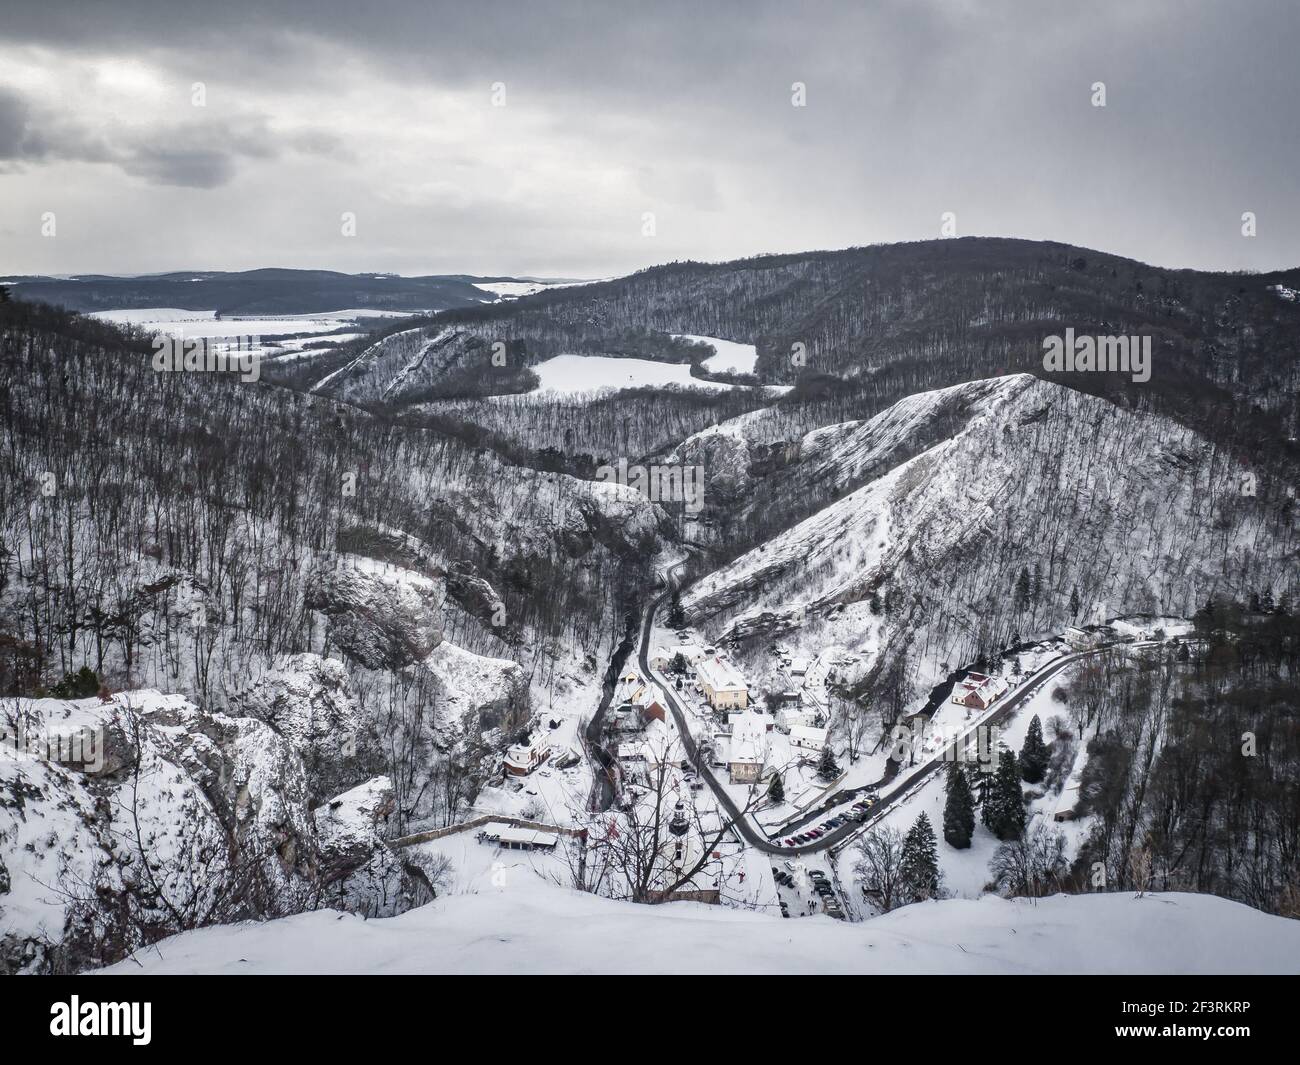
(676,615)
(959,810)
(1074,601)
(977,782)
(776,790)
(1034,754)
(1004,809)
(1022,589)
(920,862)
(829,768)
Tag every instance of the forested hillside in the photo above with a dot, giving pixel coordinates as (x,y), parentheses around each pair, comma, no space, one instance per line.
(856,330)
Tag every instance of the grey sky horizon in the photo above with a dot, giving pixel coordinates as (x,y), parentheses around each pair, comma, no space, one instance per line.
(534,139)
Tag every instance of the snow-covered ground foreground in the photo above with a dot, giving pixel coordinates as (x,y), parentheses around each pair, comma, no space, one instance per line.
(548,929)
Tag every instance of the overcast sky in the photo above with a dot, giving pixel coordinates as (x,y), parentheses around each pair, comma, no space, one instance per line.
(613,110)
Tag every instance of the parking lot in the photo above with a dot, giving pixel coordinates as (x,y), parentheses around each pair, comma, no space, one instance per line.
(805,891)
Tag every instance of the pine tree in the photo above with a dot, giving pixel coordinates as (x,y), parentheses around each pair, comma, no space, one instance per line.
(920,862)
(676,615)
(959,810)
(1074,602)
(1022,589)
(776,790)
(977,782)
(829,768)
(1034,754)
(1004,809)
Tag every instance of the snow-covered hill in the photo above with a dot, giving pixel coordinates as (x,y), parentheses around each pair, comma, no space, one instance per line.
(548,929)
(964,488)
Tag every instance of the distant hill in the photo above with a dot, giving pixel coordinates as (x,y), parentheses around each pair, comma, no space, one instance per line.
(268,291)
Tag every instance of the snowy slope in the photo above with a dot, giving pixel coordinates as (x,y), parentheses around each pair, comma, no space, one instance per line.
(961,489)
(181,816)
(545,929)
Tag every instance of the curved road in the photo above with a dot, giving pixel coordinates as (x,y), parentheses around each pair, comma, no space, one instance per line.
(886,801)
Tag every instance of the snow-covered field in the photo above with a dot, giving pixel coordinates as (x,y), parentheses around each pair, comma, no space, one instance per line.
(176,322)
(521,924)
(571,374)
(730,358)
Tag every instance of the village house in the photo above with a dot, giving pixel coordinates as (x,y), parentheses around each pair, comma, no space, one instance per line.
(522,758)
(518,839)
(790,717)
(1131,630)
(747,748)
(661,747)
(723,686)
(808,738)
(978,692)
(662,658)
(1081,639)
(637,702)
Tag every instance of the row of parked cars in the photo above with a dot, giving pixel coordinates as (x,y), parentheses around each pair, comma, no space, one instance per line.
(857,812)
(822,885)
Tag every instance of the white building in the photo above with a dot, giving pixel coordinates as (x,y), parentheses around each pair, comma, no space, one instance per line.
(662,658)
(794,716)
(520,839)
(808,738)
(722,684)
(748,747)
(1130,631)
(1081,639)
(522,758)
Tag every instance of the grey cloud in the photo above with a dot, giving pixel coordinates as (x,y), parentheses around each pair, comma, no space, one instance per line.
(200,155)
(915,107)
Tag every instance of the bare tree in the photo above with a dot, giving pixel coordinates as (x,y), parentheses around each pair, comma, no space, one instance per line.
(659,842)
(1032,865)
(880,866)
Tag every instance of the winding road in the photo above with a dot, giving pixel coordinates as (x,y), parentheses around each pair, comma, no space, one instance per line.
(886,801)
